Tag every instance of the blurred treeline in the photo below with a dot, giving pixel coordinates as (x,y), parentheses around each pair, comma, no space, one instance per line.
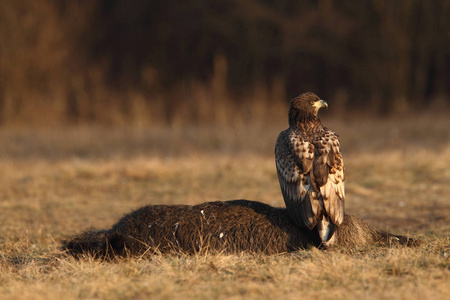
(217,61)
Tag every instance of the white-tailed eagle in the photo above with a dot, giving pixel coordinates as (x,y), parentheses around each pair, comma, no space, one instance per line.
(311,169)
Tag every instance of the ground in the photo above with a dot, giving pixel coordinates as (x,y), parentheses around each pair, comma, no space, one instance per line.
(56,182)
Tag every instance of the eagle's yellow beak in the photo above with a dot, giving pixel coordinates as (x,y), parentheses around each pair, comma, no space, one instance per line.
(321,103)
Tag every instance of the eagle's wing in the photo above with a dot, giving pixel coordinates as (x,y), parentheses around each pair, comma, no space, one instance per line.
(311,177)
(328,174)
(294,158)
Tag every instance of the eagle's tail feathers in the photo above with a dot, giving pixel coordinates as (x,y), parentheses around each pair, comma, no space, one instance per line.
(326,230)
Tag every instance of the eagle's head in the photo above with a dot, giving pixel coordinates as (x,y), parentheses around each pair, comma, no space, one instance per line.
(304,108)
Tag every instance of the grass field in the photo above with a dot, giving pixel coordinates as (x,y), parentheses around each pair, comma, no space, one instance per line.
(57,182)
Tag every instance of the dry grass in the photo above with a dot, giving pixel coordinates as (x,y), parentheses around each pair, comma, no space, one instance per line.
(54,183)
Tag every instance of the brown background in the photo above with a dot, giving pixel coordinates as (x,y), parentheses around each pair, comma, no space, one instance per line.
(199,61)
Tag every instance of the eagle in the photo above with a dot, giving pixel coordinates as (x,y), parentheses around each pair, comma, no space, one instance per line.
(310,169)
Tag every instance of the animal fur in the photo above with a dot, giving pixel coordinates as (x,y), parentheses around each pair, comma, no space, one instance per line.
(230,227)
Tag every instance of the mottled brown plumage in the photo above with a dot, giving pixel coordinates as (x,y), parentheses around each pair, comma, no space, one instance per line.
(213,227)
(310,169)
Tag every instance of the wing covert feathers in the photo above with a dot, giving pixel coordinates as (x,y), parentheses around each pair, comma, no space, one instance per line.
(293,161)
(311,175)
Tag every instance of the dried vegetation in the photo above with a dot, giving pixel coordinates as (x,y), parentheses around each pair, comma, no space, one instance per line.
(55,183)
